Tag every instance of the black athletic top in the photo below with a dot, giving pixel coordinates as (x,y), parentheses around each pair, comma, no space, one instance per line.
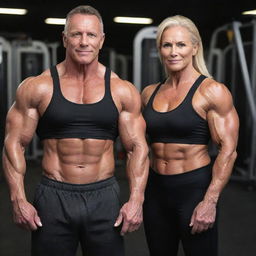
(66,119)
(181,125)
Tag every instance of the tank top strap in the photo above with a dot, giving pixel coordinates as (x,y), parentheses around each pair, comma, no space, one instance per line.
(154,93)
(196,84)
(107,81)
(55,78)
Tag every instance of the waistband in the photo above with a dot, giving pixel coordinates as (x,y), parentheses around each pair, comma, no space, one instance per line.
(202,173)
(78,187)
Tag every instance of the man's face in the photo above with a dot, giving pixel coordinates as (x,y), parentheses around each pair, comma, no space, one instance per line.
(83,38)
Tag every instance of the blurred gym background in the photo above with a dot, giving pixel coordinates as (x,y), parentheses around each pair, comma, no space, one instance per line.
(28,45)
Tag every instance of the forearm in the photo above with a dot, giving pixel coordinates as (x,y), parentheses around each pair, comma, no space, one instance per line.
(221,172)
(137,172)
(14,167)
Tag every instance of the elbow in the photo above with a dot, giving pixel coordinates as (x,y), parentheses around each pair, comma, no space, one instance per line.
(140,150)
(6,146)
(234,155)
(144,151)
(12,145)
(231,152)
(229,155)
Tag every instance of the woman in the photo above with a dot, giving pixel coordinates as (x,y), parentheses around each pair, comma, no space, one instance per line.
(182,114)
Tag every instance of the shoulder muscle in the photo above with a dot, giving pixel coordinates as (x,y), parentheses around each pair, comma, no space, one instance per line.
(146,93)
(218,96)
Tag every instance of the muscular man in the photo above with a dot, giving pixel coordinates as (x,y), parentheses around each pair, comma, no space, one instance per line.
(77,109)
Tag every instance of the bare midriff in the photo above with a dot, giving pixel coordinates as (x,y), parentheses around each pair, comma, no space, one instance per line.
(78,161)
(170,158)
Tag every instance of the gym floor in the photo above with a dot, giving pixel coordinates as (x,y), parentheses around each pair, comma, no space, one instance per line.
(237,225)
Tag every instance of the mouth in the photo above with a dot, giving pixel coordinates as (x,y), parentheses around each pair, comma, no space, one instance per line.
(173,61)
(83,52)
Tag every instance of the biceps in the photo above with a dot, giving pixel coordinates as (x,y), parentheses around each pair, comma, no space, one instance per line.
(20,127)
(224,129)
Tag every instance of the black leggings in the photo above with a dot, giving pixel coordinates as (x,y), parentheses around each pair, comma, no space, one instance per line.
(169,203)
(73,214)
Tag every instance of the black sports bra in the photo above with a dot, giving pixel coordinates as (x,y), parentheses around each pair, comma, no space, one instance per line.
(181,125)
(66,119)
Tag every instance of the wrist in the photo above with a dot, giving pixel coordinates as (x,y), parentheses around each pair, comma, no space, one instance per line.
(18,199)
(212,199)
(138,198)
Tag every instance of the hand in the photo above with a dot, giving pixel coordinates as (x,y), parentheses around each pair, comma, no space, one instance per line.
(203,217)
(131,216)
(25,215)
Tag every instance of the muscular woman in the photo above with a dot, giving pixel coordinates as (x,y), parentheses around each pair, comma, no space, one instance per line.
(182,114)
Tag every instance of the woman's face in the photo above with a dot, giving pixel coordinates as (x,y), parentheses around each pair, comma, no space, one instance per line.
(176,48)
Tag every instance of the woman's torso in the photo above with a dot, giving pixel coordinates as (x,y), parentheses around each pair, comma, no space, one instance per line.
(177,127)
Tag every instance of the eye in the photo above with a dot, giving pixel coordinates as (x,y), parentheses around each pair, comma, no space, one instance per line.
(92,35)
(180,44)
(166,45)
(75,34)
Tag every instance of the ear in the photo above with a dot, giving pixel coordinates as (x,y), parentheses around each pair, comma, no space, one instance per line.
(195,49)
(102,40)
(64,39)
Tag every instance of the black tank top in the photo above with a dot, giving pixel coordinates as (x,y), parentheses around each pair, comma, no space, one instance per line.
(66,119)
(181,125)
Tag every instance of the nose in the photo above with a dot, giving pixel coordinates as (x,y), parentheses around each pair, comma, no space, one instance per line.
(173,51)
(84,40)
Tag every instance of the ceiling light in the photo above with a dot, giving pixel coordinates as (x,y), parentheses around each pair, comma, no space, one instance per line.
(13,11)
(133,20)
(55,21)
(251,12)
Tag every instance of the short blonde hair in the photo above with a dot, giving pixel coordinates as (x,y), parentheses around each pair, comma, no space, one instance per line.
(179,20)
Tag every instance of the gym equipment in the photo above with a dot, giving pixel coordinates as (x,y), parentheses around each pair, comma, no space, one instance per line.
(5,83)
(29,58)
(53,50)
(234,64)
(147,68)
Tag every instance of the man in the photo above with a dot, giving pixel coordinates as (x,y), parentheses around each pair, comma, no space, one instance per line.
(77,109)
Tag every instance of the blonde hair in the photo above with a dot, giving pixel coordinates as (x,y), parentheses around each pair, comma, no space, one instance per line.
(85,10)
(179,20)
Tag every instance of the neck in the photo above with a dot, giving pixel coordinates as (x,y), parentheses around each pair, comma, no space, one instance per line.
(181,77)
(82,71)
